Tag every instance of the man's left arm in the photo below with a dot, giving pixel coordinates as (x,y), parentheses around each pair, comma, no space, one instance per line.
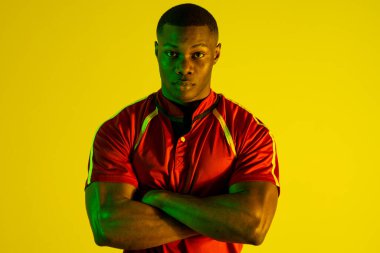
(242,216)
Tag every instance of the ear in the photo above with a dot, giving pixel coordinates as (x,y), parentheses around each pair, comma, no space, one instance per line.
(156,48)
(217,52)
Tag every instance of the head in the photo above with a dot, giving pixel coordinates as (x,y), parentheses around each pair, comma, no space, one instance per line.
(186,48)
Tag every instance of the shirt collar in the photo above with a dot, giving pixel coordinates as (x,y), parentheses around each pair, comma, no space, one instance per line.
(175,113)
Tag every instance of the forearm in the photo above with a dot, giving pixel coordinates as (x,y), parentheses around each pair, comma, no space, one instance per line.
(133,225)
(224,217)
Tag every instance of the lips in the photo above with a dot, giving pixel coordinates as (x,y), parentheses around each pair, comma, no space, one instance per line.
(184,83)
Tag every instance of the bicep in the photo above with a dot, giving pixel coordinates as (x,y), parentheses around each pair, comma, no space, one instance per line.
(105,194)
(261,198)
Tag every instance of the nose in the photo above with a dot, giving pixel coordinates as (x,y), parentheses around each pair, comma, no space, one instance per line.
(184,67)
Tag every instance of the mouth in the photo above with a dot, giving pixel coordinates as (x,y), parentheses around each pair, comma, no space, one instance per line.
(184,83)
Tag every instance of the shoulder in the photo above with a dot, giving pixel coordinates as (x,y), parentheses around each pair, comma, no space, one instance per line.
(236,114)
(130,117)
(242,124)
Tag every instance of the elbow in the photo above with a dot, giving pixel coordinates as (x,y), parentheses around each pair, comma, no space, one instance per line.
(100,241)
(256,233)
(256,238)
(106,236)
(103,239)
(100,237)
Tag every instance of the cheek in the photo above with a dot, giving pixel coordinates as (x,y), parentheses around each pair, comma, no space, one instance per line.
(205,68)
(163,63)
(164,67)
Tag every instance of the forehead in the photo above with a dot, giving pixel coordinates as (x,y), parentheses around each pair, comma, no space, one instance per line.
(180,35)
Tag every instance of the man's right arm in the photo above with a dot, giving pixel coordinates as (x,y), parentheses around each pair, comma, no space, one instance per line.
(120,222)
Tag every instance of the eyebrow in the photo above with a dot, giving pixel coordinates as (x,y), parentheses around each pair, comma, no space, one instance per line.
(193,46)
(199,45)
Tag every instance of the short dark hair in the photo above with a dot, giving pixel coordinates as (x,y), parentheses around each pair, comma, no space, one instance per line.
(187,15)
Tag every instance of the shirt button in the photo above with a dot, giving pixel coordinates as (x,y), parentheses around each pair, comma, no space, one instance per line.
(183,139)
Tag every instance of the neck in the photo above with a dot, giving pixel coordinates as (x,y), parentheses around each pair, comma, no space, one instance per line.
(187,108)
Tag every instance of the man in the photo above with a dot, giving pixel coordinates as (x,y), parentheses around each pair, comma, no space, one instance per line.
(184,170)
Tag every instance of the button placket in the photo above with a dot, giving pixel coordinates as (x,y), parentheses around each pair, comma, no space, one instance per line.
(178,164)
(180,152)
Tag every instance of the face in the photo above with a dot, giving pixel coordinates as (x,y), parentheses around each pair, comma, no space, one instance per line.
(186,56)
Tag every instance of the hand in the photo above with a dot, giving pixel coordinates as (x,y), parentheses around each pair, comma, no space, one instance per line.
(152,197)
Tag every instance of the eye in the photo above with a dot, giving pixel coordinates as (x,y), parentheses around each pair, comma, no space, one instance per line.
(198,55)
(171,54)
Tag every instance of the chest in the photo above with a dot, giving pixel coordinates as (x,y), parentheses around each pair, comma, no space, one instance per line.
(200,162)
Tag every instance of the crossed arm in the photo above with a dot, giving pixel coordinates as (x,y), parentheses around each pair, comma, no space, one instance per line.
(244,215)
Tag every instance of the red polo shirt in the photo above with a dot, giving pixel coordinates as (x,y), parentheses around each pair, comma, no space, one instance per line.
(225,145)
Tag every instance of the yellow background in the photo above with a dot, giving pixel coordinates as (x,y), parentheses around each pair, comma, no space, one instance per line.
(308,69)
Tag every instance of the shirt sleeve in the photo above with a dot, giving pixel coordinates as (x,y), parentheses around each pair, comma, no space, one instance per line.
(257,158)
(110,156)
